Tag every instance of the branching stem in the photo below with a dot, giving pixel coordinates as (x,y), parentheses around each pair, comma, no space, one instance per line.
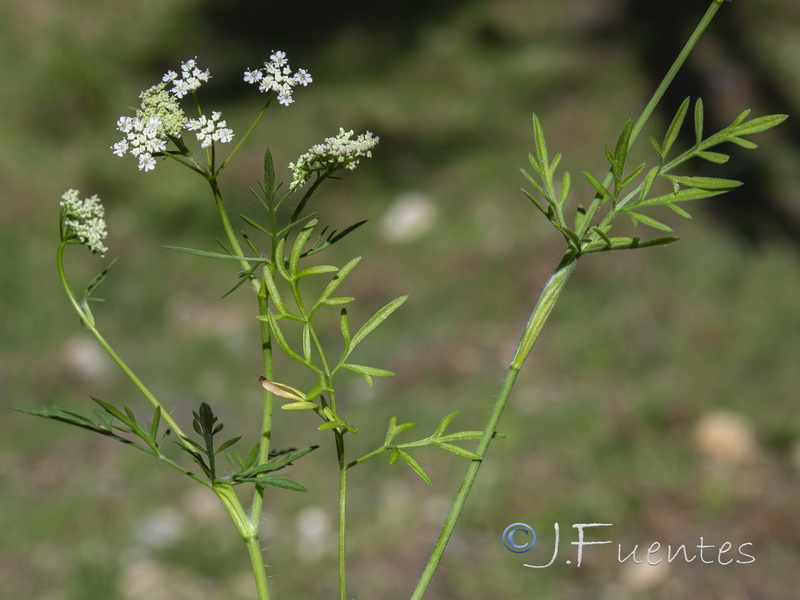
(539,316)
(250,531)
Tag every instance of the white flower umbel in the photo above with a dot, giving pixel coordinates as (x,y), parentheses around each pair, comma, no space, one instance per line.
(82,220)
(210,130)
(276,76)
(146,134)
(191,78)
(340,152)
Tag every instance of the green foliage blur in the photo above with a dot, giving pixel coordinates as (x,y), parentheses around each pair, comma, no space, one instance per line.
(662,396)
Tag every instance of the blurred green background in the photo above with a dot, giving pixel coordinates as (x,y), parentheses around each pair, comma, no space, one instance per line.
(662,396)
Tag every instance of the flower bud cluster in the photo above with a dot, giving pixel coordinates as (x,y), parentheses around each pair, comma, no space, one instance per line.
(340,152)
(210,130)
(276,76)
(83,220)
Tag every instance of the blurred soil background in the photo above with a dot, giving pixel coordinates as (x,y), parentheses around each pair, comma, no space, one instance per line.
(662,396)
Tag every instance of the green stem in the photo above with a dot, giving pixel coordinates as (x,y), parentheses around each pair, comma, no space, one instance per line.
(226,225)
(252,541)
(266,418)
(259,569)
(186,163)
(179,468)
(342,512)
(89,323)
(249,533)
(366,457)
(325,368)
(661,90)
(541,311)
(246,135)
(676,66)
(538,318)
(306,197)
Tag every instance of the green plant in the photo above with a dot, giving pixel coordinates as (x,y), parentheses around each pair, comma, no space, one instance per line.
(272,257)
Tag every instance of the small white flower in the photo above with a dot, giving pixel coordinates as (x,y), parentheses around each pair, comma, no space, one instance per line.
(146,162)
(340,152)
(83,220)
(276,76)
(180,88)
(146,134)
(120,148)
(224,134)
(210,130)
(124,124)
(253,76)
(279,58)
(191,78)
(285,97)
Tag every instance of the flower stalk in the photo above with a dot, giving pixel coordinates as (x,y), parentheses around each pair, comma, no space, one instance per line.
(88,321)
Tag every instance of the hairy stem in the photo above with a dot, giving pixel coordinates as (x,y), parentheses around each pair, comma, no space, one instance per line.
(259,569)
(249,533)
